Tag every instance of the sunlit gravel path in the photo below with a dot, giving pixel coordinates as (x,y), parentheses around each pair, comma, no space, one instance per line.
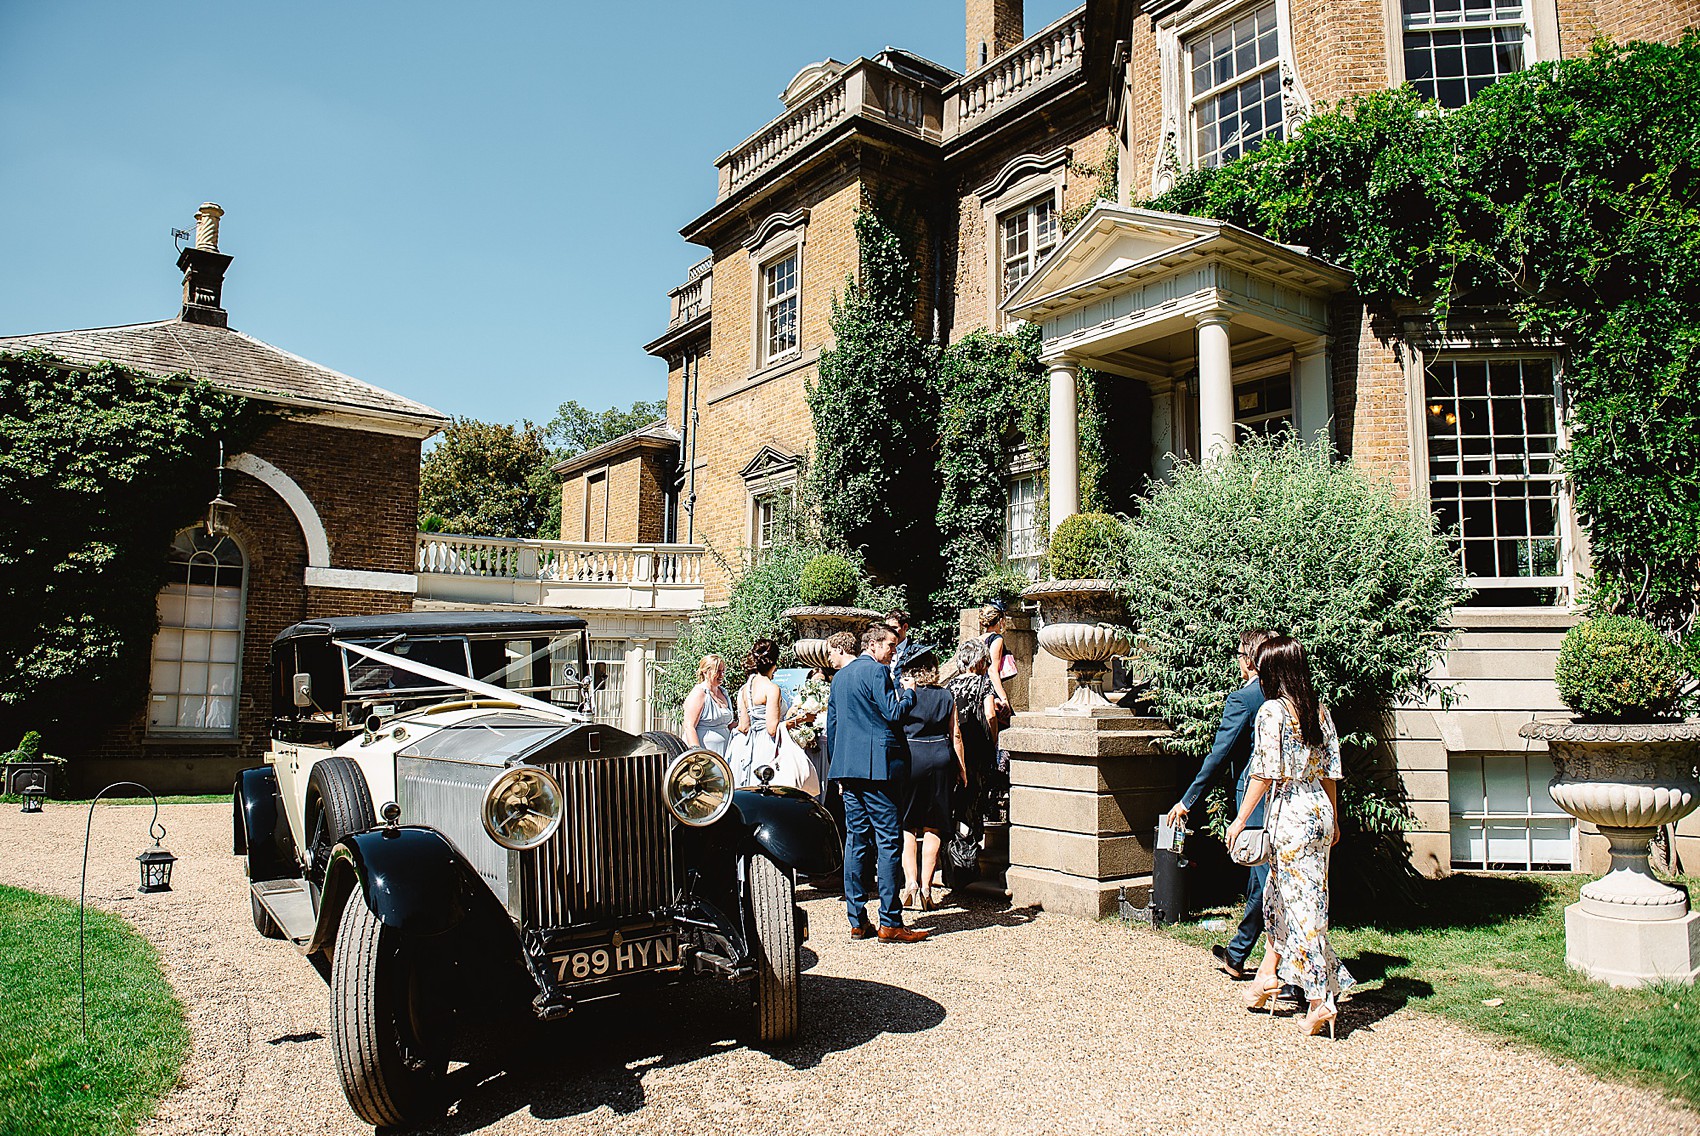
(1001,1023)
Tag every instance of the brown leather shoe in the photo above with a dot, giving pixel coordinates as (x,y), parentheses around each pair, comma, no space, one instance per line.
(862,931)
(901,935)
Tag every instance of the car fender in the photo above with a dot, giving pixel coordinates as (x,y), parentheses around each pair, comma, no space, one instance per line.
(792,828)
(412,878)
(259,828)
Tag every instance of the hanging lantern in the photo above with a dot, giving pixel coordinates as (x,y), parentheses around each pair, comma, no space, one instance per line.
(219,511)
(33,796)
(156,868)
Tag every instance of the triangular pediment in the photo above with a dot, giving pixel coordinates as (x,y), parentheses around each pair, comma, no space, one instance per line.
(1106,240)
(769,462)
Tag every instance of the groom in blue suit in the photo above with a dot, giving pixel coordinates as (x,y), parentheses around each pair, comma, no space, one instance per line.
(1232,753)
(870,762)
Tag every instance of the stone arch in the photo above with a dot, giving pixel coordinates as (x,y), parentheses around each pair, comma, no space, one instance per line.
(306,515)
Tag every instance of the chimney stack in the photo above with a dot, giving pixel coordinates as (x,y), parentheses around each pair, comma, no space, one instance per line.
(203,272)
(994,26)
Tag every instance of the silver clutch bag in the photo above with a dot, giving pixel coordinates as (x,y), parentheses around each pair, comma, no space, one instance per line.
(1250,848)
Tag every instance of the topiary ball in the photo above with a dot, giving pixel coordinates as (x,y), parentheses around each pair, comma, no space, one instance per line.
(1086,546)
(1617,668)
(828,580)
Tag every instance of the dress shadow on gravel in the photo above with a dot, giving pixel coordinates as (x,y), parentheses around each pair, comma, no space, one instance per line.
(598,1056)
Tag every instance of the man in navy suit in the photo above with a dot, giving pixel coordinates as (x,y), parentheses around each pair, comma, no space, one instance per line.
(869,761)
(1232,751)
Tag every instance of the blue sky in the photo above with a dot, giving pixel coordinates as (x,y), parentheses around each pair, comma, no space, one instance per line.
(475,205)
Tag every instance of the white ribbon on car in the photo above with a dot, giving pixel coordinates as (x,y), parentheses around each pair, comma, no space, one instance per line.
(470,685)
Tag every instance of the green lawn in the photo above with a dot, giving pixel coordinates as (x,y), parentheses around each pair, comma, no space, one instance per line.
(52,1081)
(190,799)
(1480,939)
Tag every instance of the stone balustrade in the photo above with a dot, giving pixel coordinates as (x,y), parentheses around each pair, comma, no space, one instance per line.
(694,296)
(559,573)
(1036,62)
(868,90)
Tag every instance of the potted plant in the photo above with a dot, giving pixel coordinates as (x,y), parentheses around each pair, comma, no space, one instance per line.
(28,766)
(1625,763)
(1082,616)
(827,586)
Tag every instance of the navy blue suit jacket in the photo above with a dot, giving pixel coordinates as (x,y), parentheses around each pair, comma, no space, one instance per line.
(1231,749)
(861,723)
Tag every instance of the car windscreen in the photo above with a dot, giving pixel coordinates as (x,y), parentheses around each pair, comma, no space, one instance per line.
(370,676)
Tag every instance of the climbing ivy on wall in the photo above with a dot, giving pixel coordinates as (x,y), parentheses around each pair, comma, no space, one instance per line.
(1568,194)
(875,411)
(98,469)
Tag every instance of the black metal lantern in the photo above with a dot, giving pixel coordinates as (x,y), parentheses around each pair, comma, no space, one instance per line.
(219,511)
(156,867)
(33,796)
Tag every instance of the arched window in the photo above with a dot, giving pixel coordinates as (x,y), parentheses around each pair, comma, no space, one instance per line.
(197,653)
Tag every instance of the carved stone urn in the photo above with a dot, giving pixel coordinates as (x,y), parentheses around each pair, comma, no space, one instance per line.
(1083,623)
(812,626)
(1628,779)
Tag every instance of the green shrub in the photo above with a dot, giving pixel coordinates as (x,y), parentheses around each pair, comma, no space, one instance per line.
(828,580)
(1278,535)
(1616,668)
(1002,582)
(1086,546)
(29,748)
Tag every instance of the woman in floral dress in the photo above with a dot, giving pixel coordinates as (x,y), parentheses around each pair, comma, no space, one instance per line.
(1296,759)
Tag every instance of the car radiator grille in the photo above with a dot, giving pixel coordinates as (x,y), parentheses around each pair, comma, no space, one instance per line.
(613,853)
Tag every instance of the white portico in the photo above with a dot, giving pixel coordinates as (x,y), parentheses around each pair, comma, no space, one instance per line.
(1229,331)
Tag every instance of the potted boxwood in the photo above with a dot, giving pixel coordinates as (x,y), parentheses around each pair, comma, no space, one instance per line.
(1625,763)
(827,586)
(28,765)
(1083,620)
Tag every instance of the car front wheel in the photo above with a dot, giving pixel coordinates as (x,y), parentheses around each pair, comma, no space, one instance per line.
(390,1027)
(778,954)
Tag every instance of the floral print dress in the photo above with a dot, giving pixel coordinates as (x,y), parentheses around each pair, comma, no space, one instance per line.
(1295,904)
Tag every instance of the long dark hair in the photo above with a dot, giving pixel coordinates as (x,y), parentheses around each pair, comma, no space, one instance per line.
(1284,672)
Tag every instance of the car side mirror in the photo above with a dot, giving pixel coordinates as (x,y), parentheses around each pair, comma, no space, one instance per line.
(302,684)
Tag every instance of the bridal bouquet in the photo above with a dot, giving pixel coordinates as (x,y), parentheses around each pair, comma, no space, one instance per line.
(811,700)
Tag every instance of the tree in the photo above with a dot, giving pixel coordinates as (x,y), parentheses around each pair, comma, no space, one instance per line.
(482,479)
(575,429)
(875,409)
(98,470)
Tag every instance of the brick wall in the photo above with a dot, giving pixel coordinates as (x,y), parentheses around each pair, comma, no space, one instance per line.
(366,489)
(634,507)
(1372,413)
(1580,22)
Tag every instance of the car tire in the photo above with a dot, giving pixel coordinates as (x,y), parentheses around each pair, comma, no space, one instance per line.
(389,1031)
(344,808)
(777,953)
(671,744)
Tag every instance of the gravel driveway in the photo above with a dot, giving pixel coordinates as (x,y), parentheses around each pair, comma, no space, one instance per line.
(1001,1023)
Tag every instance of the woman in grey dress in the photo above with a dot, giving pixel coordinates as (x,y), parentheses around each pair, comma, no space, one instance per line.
(708,714)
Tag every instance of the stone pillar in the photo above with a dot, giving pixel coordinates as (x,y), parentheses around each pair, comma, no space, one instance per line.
(1313,411)
(1065,442)
(1215,386)
(633,713)
(1085,795)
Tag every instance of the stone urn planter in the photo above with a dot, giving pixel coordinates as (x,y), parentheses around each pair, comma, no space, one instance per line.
(1083,623)
(1629,779)
(813,625)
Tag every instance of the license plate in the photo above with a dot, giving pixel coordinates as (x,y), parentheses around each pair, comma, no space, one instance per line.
(621,953)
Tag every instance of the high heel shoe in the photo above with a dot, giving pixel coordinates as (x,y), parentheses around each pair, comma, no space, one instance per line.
(927,901)
(1259,995)
(909,899)
(1314,1021)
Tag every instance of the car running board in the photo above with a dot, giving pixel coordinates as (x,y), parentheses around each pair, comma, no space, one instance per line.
(290,906)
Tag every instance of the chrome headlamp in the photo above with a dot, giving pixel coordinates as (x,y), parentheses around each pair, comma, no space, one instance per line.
(698,787)
(522,808)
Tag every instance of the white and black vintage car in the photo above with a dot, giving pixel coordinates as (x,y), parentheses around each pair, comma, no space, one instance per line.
(439,823)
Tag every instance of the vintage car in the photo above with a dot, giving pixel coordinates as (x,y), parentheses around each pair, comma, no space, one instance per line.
(441,826)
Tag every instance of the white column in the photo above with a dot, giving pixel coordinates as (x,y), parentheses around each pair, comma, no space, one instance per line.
(1313,391)
(637,687)
(1215,387)
(1065,442)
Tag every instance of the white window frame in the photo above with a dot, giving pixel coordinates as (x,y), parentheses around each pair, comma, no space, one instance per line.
(610,711)
(776,240)
(1175,34)
(774,304)
(1526,814)
(768,500)
(1022,183)
(1269,69)
(1026,555)
(157,694)
(1540,41)
(1258,374)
